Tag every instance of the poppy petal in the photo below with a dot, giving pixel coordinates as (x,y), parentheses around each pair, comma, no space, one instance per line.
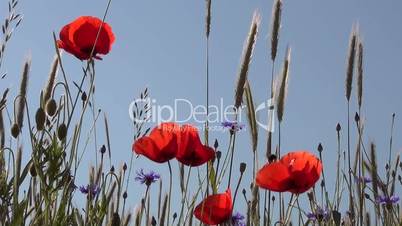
(215,209)
(274,177)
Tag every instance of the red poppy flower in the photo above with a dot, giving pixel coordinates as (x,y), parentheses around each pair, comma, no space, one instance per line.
(215,209)
(191,151)
(295,172)
(161,144)
(79,36)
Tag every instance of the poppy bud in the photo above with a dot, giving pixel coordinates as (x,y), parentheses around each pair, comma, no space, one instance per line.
(367,196)
(242,167)
(338,127)
(393,174)
(125,167)
(153,221)
(15,130)
(357,117)
(387,166)
(40,118)
(125,195)
(174,216)
(218,155)
(322,183)
(244,191)
(272,158)
(112,169)
(32,171)
(62,131)
(103,149)
(84,97)
(216,144)
(116,219)
(273,198)
(51,107)
(399,177)
(319,148)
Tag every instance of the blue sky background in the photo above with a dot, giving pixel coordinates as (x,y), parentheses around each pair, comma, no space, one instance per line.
(161,45)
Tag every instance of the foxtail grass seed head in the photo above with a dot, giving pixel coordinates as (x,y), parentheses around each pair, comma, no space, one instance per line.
(40,118)
(23,93)
(51,107)
(360,73)
(275,27)
(208,18)
(246,58)
(15,130)
(283,87)
(350,62)
(62,131)
(47,92)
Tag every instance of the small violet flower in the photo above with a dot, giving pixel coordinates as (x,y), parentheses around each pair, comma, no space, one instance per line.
(92,189)
(385,200)
(147,178)
(365,180)
(238,220)
(320,214)
(233,126)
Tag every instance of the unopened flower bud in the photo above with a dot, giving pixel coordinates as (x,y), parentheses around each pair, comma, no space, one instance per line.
(51,107)
(242,167)
(153,221)
(84,97)
(103,149)
(319,148)
(125,195)
(357,117)
(125,167)
(272,158)
(40,118)
(112,169)
(116,219)
(174,216)
(32,171)
(216,144)
(15,130)
(218,155)
(244,191)
(62,131)
(338,127)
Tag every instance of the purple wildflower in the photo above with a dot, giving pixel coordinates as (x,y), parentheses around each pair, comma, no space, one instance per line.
(385,200)
(238,219)
(234,126)
(147,178)
(320,214)
(365,180)
(91,189)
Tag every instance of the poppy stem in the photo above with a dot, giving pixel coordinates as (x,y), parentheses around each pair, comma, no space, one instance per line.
(231,158)
(170,191)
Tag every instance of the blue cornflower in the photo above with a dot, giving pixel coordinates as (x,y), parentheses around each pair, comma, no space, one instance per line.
(320,214)
(238,219)
(147,178)
(234,126)
(91,189)
(387,200)
(365,180)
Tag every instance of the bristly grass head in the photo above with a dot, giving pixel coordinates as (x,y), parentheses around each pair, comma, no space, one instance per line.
(351,62)
(275,27)
(283,86)
(246,58)
(360,54)
(23,93)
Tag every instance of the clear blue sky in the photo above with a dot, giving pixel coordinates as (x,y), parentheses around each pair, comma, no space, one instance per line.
(161,44)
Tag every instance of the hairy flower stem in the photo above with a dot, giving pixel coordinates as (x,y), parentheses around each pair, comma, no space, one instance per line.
(351,208)
(184,196)
(231,158)
(170,192)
